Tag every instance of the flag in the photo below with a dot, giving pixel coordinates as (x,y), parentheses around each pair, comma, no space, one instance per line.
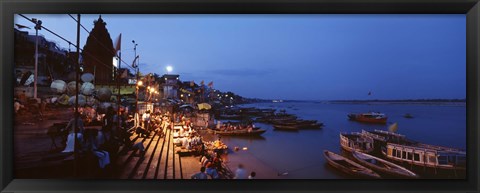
(210,84)
(134,62)
(21,26)
(393,128)
(118,43)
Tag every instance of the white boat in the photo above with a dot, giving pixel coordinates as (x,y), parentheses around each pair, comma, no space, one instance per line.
(383,166)
(348,166)
(426,155)
(356,141)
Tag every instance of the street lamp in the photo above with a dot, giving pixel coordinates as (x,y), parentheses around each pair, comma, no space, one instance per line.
(135,50)
(138,83)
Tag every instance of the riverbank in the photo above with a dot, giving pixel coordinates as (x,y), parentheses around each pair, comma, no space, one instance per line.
(243,156)
(36,156)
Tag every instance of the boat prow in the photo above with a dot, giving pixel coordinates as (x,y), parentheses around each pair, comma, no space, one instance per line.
(349,166)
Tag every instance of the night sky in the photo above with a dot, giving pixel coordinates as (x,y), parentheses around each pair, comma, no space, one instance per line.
(305,57)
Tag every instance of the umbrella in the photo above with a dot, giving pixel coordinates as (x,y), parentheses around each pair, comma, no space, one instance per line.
(204,106)
(87,88)
(186,106)
(81,100)
(71,88)
(58,86)
(87,77)
(104,94)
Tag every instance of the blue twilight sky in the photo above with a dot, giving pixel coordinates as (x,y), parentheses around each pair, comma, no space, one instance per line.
(310,57)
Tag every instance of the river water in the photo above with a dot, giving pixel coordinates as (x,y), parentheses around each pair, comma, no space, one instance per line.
(300,154)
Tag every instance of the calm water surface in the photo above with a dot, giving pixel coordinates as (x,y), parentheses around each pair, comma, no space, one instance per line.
(300,153)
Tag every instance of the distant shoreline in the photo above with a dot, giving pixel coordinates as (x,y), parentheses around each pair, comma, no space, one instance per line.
(400,102)
(406,101)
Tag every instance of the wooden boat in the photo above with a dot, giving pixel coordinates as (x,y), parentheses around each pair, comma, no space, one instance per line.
(286,127)
(371,117)
(293,121)
(241,132)
(425,155)
(386,136)
(310,126)
(230,116)
(348,166)
(356,141)
(383,166)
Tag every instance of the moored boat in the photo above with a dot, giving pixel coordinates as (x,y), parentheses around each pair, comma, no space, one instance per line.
(383,166)
(310,126)
(348,166)
(300,124)
(408,116)
(356,141)
(425,155)
(371,117)
(242,132)
(286,127)
(396,147)
(386,136)
(229,116)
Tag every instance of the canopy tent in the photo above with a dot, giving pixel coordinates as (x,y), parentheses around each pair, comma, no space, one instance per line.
(205,106)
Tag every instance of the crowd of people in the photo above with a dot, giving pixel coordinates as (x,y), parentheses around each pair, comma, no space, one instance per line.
(210,170)
(101,135)
(103,138)
(229,126)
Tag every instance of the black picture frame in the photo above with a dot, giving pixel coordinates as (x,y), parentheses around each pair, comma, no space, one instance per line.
(469,7)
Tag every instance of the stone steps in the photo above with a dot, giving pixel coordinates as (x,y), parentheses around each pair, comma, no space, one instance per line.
(160,160)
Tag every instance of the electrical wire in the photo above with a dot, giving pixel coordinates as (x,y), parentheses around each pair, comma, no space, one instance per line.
(99,42)
(70,43)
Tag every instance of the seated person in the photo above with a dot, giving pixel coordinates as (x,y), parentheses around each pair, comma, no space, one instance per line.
(141,132)
(200,175)
(211,171)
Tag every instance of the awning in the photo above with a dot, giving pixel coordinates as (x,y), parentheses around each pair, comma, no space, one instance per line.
(205,106)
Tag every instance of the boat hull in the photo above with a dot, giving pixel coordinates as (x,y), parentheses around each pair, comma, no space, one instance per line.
(286,127)
(383,166)
(356,142)
(348,166)
(242,133)
(367,119)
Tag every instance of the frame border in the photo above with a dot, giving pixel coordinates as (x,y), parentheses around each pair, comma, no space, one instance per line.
(469,7)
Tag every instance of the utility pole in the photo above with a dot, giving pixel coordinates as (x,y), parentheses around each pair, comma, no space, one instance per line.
(137,84)
(118,87)
(77,72)
(38,26)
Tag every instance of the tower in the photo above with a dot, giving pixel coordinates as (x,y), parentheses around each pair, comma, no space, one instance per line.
(98,53)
